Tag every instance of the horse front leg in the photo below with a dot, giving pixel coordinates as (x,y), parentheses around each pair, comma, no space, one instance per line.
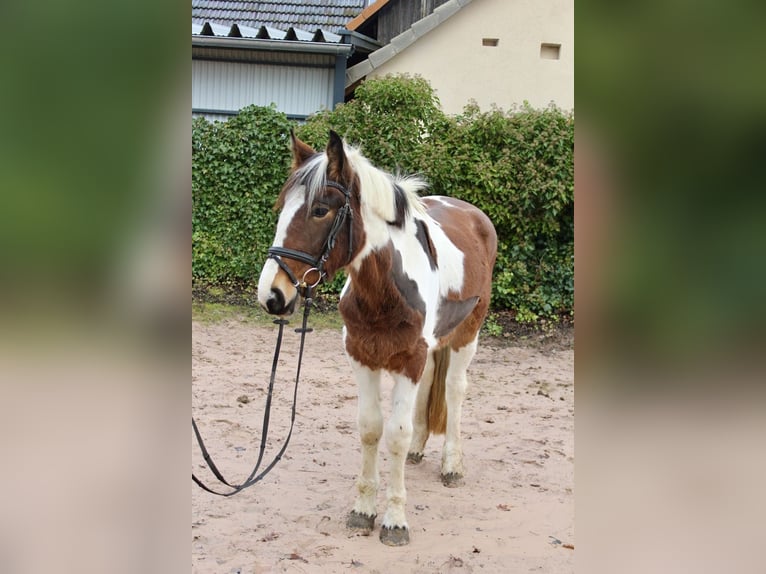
(394,530)
(370,421)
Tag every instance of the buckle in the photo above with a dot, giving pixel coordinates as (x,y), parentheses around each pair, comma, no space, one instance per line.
(320,276)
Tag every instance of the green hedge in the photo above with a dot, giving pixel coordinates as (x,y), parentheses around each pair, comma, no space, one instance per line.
(238,168)
(516,165)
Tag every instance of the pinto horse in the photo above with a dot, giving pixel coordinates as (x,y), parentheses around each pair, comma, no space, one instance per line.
(419,283)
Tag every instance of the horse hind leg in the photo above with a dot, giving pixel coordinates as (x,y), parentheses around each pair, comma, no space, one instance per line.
(420,432)
(456,383)
(370,419)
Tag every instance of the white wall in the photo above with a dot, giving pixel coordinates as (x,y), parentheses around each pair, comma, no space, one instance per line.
(452,58)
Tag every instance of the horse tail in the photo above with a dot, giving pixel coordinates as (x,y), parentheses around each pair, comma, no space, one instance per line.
(437,402)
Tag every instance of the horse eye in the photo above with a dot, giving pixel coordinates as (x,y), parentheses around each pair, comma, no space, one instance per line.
(319,211)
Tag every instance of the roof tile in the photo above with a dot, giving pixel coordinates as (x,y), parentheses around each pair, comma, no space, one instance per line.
(328,15)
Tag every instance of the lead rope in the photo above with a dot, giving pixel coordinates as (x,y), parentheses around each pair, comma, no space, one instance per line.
(252,479)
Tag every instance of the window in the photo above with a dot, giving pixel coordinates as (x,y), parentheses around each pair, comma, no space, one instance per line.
(492,42)
(550,51)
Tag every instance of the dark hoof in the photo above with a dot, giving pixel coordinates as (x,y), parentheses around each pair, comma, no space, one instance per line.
(360,522)
(396,536)
(414,457)
(452,479)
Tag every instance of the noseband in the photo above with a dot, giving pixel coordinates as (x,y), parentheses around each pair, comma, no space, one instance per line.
(344,214)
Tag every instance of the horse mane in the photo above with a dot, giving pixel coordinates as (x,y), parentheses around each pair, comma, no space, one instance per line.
(378,189)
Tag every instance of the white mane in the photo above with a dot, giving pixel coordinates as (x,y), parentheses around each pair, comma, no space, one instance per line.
(377,188)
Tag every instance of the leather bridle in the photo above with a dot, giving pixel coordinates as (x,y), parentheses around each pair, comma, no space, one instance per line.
(343,215)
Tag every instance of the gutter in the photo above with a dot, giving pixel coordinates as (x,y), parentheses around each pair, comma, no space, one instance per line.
(360,41)
(273,45)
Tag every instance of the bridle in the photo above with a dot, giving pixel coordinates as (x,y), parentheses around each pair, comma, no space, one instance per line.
(343,215)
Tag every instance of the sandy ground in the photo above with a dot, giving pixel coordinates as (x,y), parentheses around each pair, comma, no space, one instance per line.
(515,512)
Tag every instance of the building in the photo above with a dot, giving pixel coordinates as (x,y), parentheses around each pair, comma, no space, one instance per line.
(501,52)
(286,53)
(310,55)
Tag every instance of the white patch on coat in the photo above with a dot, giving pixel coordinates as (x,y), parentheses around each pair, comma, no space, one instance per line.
(433,284)
(293,203)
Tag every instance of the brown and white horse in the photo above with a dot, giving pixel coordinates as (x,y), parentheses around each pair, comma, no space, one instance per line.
(419,283)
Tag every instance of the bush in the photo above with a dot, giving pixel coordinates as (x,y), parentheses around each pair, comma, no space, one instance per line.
(238,168)
(390,117)
(517,166)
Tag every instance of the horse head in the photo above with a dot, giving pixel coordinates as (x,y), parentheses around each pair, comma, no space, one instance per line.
(319,228)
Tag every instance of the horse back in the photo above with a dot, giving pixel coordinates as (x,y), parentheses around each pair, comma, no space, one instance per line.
(472,232)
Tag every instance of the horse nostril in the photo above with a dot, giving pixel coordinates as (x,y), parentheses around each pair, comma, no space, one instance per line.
(276,303)
(291,306)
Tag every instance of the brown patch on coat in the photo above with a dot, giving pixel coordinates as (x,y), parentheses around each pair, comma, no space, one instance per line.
(473,233)
(406,285)
(424,238)
(451,313)
(383,330)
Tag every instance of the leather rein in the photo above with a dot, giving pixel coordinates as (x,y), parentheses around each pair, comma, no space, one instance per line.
(344,214)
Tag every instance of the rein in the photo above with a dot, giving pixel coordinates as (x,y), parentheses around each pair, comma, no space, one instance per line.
(254,476)
(306,289)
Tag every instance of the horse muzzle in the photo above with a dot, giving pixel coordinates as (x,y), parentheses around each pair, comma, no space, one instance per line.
(276,294)
(276,303)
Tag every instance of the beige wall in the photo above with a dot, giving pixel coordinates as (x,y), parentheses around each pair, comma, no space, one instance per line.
(452,58)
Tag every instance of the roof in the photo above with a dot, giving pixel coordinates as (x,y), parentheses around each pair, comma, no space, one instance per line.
(267,38)
(366,14)
(402,41)
(263,33)
(331,15)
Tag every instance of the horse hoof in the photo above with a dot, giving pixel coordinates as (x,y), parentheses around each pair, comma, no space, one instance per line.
(414,457)
(396,536)
(452,479)
(360,522)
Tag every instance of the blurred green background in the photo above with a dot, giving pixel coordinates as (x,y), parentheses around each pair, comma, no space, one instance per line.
(93,158)
(671,104)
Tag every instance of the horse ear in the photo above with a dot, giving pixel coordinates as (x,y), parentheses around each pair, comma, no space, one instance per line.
(336,156)
(301,151)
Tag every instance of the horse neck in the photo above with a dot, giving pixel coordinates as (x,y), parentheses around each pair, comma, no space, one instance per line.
(385,209)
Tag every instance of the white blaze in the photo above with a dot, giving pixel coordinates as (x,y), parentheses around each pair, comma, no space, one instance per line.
(270,269)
